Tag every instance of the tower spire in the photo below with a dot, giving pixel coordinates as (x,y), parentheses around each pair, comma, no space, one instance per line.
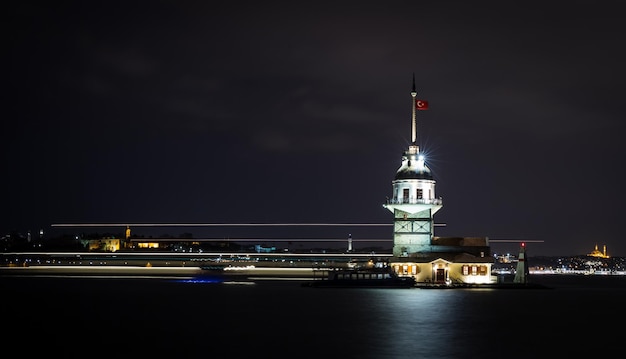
(413,125)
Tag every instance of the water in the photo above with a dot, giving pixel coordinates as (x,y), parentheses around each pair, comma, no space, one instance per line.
(160,317)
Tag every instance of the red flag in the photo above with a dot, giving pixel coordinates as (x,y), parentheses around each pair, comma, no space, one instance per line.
(421,104)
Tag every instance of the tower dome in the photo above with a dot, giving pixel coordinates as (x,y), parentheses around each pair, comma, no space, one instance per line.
(413,166)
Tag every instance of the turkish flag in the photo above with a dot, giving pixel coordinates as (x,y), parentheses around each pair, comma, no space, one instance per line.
(421,105)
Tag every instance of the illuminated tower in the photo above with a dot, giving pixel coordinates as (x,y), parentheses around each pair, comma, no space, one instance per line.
(413,203)
(521,273)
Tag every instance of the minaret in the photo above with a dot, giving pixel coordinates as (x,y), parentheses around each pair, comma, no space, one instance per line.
(413,203)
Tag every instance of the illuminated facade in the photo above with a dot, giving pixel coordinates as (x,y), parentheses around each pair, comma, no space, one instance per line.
(104,244)
(417,251)
(596,253)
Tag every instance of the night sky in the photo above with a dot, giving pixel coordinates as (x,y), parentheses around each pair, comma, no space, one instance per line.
(299,112)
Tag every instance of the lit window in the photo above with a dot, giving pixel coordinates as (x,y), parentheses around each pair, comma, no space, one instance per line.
(483,270)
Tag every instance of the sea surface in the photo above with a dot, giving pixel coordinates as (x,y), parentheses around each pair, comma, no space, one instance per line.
(156,317)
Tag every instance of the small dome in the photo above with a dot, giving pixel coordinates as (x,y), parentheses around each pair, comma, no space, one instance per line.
(414,173)
(413,167)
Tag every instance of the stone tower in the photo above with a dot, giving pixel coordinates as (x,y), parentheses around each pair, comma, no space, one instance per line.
(413,201)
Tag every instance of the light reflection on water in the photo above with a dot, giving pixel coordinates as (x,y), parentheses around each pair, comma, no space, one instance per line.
(486,323)
(285,320)
(418,323)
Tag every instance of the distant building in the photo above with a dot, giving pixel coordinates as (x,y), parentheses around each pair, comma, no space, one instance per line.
(596,253)
(417,251)
(103,244)
(261,249)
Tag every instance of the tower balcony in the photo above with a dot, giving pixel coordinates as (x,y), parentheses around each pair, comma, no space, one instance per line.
(430,201)
(414,205)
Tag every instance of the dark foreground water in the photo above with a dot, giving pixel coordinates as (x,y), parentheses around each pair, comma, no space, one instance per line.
(583,316)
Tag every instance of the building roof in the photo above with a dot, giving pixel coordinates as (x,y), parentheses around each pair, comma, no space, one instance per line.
(449,257)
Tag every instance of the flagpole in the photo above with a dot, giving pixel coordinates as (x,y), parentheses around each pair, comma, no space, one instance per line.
(413,125)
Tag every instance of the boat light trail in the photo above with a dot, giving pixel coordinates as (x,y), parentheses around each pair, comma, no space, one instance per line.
(227,224)
(230,239)
(517,240)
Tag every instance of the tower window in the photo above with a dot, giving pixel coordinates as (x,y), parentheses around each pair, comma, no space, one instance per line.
(405,195)
(420,193)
